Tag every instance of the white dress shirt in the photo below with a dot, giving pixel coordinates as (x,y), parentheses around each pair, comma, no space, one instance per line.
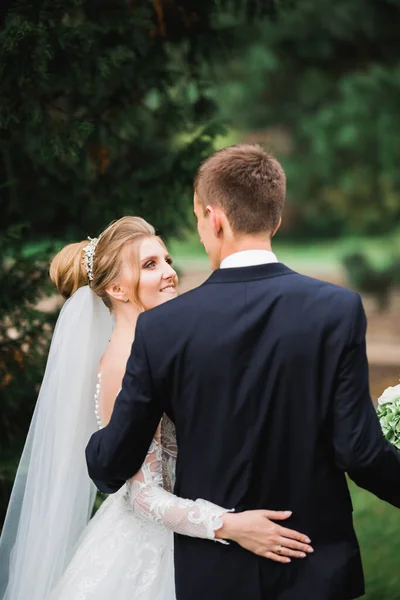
(248,258)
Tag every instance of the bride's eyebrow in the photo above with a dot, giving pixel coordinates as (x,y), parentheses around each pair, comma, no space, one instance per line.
(149,258)
(166,257)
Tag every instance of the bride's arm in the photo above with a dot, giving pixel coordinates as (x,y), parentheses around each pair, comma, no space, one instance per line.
(152,502)
(202,519)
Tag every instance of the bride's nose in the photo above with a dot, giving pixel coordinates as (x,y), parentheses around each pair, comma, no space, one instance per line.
(169,272)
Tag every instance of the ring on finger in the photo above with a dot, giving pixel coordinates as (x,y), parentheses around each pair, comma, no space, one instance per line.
(279,549)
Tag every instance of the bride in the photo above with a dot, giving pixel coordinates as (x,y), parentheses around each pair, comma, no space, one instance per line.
(49,549)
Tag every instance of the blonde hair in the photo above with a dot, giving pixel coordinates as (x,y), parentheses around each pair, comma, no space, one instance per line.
(68,272)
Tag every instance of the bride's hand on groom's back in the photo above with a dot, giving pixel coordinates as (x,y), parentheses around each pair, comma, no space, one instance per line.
(256,531)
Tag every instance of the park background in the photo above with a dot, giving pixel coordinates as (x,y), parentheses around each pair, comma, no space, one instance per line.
(108,107)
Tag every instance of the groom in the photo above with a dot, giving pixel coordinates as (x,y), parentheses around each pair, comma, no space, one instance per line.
(264,373)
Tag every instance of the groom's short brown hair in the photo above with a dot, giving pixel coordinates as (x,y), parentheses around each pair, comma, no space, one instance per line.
(247,183)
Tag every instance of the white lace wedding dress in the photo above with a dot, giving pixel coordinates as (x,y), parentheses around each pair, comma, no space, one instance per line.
(126,550)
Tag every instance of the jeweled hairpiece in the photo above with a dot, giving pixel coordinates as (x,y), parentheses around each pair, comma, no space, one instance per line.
(89,252)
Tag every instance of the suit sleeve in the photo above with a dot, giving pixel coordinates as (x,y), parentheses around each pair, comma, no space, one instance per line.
(359,445)
(116,452)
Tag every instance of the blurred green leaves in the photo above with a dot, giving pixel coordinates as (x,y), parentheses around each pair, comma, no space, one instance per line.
(105,110)
(327,75)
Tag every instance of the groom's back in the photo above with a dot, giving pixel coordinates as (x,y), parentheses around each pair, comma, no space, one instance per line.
(250,360)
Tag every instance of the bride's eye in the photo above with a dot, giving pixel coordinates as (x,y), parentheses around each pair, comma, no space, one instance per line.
(170,261)
(149,265)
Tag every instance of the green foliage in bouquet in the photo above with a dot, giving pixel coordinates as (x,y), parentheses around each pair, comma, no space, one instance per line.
(389,414)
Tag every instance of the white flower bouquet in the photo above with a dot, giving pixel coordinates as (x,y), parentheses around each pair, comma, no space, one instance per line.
(389,414)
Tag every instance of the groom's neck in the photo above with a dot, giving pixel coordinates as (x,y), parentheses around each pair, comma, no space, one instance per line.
(244,243)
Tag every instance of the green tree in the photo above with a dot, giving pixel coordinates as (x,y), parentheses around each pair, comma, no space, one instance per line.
(328,76)
(104,111)
(24,335)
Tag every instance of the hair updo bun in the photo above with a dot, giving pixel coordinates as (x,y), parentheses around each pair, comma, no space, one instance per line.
(67,270)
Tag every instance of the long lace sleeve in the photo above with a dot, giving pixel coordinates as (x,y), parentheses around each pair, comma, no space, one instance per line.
(151,502)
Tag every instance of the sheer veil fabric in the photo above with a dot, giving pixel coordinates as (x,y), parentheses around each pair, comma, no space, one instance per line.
(52,497)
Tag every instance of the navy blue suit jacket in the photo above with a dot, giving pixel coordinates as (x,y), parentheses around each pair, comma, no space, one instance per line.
(264,373)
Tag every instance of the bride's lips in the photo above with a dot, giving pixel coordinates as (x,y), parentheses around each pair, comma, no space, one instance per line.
(169,289)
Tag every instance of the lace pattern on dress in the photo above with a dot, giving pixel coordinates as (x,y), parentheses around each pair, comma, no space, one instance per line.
(151,501)
(150,490)
(169,453)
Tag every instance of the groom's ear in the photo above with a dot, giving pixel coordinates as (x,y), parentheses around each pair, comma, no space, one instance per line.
(214,215)
(277,227)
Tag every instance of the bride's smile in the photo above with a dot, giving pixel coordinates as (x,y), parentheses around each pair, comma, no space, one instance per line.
(158,279)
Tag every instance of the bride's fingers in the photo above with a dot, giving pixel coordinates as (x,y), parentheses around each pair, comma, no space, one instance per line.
(293,545)
(277,557)
(292,534)
(277,515)
(292,553)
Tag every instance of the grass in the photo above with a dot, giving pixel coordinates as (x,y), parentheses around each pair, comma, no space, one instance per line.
(378,527)
(321,255)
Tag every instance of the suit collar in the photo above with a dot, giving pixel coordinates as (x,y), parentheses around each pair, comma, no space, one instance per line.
(248,258)
(252,273)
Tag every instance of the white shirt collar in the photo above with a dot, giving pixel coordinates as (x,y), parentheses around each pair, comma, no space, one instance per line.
(248,258)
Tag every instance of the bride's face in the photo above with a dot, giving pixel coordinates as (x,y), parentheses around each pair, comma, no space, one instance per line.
(158,280)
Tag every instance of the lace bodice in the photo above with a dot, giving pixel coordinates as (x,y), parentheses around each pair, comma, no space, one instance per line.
(150,490)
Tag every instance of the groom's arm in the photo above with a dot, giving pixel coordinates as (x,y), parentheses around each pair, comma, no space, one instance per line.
(115,453)
(360,448)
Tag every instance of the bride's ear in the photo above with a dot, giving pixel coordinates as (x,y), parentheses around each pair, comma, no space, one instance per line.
(116,292)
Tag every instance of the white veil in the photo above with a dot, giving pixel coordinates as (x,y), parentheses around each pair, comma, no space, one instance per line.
(53,497)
